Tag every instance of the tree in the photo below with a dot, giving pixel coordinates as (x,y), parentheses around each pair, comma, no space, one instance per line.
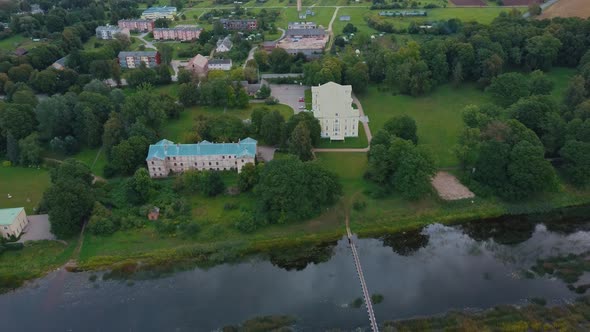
(279,61)
(261,58)
(30,150)
(188,94)
(242,99)
(290,190)
(140,187)
(457,74)
(248,177)
(576,162)
(358,77)
(349,28)
(161,23)
(506,89)
(528,171)
(540,84)
(312,124)
(114,132)
(575,92)
(402,126)
(12,152)
(271,127)
(542,51)
(414,169)
(300,142)
(211,184)
(263,92)
(166,52)
(128,155)
(70,198)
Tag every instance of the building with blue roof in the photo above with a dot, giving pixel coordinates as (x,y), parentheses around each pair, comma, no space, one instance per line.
(166,156)
(154,13)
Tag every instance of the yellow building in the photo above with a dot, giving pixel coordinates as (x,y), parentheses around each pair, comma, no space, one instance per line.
(332,106)
(12,222)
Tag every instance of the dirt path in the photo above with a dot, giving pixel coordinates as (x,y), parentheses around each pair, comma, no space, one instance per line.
(449,188)
(330,32)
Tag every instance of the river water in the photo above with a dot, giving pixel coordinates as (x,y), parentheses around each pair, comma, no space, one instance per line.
(423,273)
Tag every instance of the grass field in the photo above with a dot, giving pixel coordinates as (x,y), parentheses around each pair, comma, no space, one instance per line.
(34,260)
(438,115)
(176,130)
(88,156)
(176,46)
(17,41)
(25,185)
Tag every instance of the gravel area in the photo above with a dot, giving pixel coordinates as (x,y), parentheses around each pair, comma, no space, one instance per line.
(449,188)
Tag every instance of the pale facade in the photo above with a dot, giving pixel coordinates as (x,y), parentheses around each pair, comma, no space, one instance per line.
(178,33)
(332,106)
(110,32)
(12,222)
(166,157)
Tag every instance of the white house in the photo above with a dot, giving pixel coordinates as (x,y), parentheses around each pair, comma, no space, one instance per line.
(219,64)
(224,45)
(332,106)
(12,222)
(166,156)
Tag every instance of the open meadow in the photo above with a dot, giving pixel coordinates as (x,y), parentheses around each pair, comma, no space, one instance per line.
(25,185)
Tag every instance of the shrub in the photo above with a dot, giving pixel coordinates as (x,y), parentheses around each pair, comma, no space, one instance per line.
(101,226)
(166,227)
(132,222)
(6,163)
(246,222)
(13,246)
(271,101)
(359,205)
(190,228)
(230,206)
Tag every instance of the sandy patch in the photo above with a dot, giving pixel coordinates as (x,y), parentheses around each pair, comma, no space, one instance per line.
(449,188)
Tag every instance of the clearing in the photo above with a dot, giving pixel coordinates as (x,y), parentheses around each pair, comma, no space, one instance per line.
(449,188)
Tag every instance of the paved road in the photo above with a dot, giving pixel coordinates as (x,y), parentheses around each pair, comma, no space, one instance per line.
(37,229)
(145,42)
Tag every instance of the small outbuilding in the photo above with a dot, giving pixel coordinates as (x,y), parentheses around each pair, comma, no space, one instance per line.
(12,222)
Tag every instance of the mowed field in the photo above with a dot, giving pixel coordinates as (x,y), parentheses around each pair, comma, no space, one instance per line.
(568,8)
(25,185)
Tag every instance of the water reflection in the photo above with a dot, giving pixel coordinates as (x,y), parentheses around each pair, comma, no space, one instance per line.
(406,243)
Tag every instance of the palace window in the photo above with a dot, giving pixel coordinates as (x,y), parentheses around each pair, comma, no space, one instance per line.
(174,164)
(181,164)
(216,163)
(152,162)
(174,158)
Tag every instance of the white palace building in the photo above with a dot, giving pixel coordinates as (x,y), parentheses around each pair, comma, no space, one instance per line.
(332,106)
(166,156)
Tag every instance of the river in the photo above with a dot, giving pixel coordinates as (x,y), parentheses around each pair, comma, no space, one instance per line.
(429,272)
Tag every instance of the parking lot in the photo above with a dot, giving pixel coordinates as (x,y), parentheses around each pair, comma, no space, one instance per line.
(290,94)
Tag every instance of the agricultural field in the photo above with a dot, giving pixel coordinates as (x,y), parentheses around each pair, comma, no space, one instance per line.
(567,8)
(25,185)
(483,15)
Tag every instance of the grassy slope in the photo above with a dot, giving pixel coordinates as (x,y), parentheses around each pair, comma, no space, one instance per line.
(22,184)
(33,261)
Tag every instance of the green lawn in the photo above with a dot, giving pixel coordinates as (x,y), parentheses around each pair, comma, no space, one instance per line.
(560,77)
(35,259)
(438,115)
(14,42)
(25,185)
(349,142)
(357,18)
(88,156)
(176,46)
(176,130)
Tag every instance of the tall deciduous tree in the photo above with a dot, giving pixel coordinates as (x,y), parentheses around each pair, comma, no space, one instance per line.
(300,142)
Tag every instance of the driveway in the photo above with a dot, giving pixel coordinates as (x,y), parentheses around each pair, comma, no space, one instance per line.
(266,153)
(289,94)
(37,229)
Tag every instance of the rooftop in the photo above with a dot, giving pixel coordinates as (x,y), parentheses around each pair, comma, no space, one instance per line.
(306,32)
(166,148)
(138,53)
(7,215)
(107,27)
(220,62)
(163,9)
(179,28)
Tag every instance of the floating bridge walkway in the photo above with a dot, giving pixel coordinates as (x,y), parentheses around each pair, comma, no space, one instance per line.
(359,270)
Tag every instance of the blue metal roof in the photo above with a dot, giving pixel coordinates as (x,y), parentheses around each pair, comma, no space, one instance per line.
(163,9)
(166,148)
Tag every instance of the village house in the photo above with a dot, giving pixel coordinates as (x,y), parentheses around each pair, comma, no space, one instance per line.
(239,25)
(177,33)
(332,106)
(137,25)
(166,156)
(219,64)
(110,31)
(12,222)
(154,13)
(199,65)
(134,59)
(60,64)
(224,45)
